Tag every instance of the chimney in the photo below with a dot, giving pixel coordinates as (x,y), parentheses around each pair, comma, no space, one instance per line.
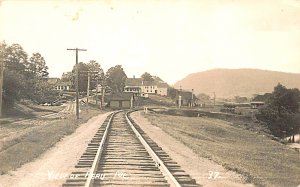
(134,76)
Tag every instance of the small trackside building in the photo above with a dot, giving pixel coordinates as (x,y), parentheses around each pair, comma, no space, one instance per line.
(162,89)
(256,104)
(121,101)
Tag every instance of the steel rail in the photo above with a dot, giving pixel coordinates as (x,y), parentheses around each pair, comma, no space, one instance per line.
(166,172)
(93,169)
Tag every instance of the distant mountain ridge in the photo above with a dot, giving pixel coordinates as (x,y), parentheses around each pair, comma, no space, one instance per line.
(227,83)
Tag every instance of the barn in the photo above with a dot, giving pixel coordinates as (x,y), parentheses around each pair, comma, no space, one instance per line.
(121,100)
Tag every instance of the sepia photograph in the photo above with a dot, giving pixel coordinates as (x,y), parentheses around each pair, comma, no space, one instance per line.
(150,93)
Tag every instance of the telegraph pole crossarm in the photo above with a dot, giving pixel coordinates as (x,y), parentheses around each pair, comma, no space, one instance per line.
(76,80)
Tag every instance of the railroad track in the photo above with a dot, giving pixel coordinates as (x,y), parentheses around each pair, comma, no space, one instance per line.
(122,154)
(69,109)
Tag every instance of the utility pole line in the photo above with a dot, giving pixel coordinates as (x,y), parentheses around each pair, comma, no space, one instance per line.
(103,95)
(1,84)
(192,103)
(76,80)
(97,91)
(89,80)
(214,98)
(179,98)
(88,90)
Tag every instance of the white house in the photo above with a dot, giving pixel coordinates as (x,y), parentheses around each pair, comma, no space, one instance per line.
(63,86)
(143,88)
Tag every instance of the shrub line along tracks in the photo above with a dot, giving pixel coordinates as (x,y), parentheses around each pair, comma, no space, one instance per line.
(122,154)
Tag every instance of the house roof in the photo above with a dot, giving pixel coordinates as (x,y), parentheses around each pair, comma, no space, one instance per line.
(133,81)
(53,80)
(63,84)
(257,102)
(162,85)
(140,82)
(149,83)
(132,87)
(119,97)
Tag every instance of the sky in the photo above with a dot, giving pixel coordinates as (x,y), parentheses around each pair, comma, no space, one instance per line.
(167,38)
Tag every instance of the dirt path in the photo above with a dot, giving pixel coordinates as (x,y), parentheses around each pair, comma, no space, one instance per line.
(60,159)
(201,169)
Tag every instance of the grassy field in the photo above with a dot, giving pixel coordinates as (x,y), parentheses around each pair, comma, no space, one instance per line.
(261,160)
(44,134)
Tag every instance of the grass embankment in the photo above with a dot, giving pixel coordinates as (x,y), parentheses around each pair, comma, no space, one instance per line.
(246,120)
(261,160)
(37,140)
(27,110)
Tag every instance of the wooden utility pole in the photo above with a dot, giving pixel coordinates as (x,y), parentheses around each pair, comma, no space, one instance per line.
(179,101)
(102,96)
(192,103)
(1,84)
(88,92)
(179,98)
(89,83)
(97,91)
(76,80)
(214,98)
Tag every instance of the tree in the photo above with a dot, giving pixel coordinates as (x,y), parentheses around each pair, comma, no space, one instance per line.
(147,77)
(284,100)
(93,65)
(36,73)
(97,73)
(14,80)
(263,98)
(23,78)
(115,78)
(281,112)
(38,66)
(3,51)
(157,79)
(92,68)
(67,77)
(13,86)
(172,92)
(203,97)
(97,78)
(240,99)
(82,76)
(16,59)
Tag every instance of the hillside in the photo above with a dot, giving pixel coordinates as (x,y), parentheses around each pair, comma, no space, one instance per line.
(237,82)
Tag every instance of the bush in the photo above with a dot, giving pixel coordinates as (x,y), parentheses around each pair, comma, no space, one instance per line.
(281,112)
